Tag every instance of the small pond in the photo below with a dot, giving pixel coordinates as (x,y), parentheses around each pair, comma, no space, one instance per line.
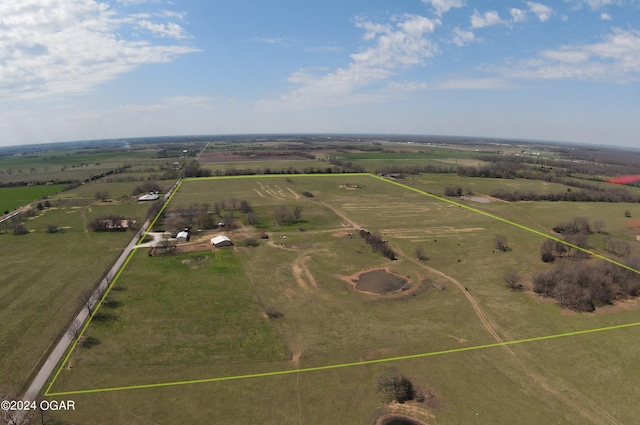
(379,282)
(394,419)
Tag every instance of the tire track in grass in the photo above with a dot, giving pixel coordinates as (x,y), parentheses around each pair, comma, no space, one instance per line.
(583,405)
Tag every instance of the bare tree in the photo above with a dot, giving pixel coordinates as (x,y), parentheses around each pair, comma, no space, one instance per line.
(252,218)
(296,212)
(245,207)
(75,330)
(217,208)
(167,245)
(102,195)
(512,278)
(546,251)
(281,215)
(85,300)
(500,242)
(420,254)
(598,225)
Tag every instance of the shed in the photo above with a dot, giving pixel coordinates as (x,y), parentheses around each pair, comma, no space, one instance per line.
(150,197)
(263,235)
(220,241)
(182,236)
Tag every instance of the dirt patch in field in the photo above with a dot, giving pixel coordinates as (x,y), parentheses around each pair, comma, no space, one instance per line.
(633,223)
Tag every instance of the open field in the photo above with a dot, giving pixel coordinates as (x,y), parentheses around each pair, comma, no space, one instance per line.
(14,197)
(198,315)
(74,165)
(43,275)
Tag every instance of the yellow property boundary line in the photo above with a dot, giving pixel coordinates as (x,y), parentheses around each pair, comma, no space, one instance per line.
(341,365)
(49,393)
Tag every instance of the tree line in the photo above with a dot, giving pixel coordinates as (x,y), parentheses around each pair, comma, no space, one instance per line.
(378,244)
(584,285)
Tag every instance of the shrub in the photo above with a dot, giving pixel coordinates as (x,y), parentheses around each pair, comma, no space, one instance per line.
(20,229)
(395,387)
(272,313)
(52,228)
(251,242)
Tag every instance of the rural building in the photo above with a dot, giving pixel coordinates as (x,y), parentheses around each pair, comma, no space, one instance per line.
(220,241)
(152,196)
(263,235)
(183,236)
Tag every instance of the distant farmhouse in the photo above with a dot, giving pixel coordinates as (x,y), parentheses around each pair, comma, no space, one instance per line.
(152,196)
(221,241)
(183,236)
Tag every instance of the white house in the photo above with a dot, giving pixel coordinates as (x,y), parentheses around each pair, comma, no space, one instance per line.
(182,236)
(220,241)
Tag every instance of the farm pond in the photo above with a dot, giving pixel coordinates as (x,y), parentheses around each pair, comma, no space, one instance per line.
(379,282)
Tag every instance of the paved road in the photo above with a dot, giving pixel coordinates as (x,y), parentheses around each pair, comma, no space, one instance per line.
(67,339)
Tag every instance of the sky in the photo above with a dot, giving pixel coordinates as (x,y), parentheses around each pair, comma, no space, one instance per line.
(561,70)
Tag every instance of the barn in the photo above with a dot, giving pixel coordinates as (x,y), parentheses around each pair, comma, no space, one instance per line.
(220,241)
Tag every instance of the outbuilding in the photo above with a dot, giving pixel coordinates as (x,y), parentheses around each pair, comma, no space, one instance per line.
(152,196)
(221,241)
(183,236)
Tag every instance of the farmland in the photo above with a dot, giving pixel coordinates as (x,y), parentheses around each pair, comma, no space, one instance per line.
(199,316)
(274,331)
(15,197)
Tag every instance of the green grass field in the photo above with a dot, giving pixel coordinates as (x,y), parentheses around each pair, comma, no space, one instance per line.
(176,320)
(43,276)
(14,197)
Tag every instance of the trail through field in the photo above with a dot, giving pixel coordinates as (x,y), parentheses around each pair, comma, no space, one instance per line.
(570,397)
(342,216)
(86,229)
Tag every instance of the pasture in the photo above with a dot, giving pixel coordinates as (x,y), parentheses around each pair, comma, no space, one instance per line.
(44,274)
(15,197)
(197,329)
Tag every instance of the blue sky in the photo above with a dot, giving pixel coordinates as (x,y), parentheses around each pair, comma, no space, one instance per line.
(562,70)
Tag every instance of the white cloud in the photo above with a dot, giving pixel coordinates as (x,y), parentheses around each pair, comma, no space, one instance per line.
(398,44)
(542,11)
(461,37)
(270,40)
(487,19)
(443,6)
(171,29)
(404,45)
(167,103)
(597,4)
(471,84)
(57,47)
(616,59)
(518,15)
(605,16)
(172,14)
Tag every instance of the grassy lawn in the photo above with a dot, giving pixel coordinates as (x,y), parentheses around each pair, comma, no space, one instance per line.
(202,315)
